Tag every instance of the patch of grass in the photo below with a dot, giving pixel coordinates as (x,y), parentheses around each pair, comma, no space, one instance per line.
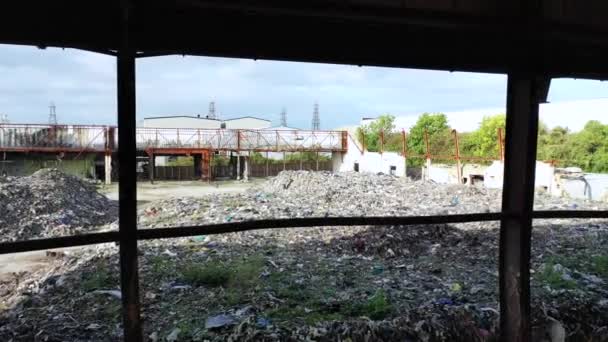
(376,307)
(100,279)
(554,278)
(213,274)
(294,313)
(238,278)
(161,266)
(600,265)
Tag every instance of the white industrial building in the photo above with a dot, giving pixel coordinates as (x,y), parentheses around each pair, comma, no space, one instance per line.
(184,121)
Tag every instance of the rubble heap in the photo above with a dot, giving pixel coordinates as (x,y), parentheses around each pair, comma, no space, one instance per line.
(386,283)
(50,203)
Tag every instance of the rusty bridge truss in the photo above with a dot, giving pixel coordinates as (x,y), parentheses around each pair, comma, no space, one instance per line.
(97,139)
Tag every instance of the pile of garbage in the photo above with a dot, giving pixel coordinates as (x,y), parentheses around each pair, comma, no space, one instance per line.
(385,283)
(51,203)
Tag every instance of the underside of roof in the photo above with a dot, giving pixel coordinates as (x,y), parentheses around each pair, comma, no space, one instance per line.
(555,38)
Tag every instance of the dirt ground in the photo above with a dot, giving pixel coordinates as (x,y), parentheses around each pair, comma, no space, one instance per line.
(147,192)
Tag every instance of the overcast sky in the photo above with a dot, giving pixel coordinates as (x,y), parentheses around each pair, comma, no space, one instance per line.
(83,87)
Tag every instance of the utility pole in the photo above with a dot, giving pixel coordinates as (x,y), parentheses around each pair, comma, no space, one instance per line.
(52,114)
(284,118)
(211,110)
(316,121)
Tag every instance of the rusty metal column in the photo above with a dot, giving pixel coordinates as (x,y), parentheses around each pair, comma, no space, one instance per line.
(457,156)
(517,203)
(127,193)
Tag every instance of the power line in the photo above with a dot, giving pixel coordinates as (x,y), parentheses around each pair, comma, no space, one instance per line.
(316,121)
(52,114)
(284,118)
(211,110)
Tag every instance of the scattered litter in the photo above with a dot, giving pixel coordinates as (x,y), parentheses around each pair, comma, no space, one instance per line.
(219,321)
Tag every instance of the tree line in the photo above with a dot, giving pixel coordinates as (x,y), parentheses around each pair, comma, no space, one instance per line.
(587,149)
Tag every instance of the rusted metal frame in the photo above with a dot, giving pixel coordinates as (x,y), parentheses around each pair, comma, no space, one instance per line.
(403,144)
(426,143)
(88,144)
(221,228)
(191,137)
(49,149)
(517,206)
(565,214)
(501,147)
(58,242)
(24,125)
(324,139)
(246,142)
(263,138)
(127,186)
(106,237)
(457,156)
(208,139)
(287,146)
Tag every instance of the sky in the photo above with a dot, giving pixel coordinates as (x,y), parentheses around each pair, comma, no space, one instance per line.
(82,85)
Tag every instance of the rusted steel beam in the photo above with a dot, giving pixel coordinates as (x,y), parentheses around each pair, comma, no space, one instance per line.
(96,238)
(501,146)
(517,205)
(58,242)
(161,233)
(127,186)
(426,144)
(34,149)
(457,156)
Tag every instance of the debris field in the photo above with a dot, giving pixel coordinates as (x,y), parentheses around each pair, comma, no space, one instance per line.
(51,203)
(387,283)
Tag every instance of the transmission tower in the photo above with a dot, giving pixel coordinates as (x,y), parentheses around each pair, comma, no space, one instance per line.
(284,118)
(52,114)
(4,119)
(211,110)
(316,121)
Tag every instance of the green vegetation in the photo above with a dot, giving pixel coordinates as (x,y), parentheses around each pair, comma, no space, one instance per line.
(259,158)
(555,279)
(238,277)
(600,265)
(99,279)
(211,274)
(587,149)
(181,161)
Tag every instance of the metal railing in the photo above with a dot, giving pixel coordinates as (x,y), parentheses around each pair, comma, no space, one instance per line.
(57,138)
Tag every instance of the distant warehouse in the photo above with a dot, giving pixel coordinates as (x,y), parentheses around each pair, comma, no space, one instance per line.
(184,121)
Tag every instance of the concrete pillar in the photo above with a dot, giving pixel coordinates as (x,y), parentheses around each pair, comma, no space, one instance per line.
(427,175)
(336,161)
(108,168)
(238,166)
(151,167)
(246,169)
(284,157)
(267,164)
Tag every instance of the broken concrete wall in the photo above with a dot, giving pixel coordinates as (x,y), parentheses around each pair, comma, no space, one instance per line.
(372,162)
(493,175)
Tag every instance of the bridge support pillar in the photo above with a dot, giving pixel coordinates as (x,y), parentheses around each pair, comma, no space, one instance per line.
(151,167)
(246,168)
(108,168)
(337,158)
(238,166)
